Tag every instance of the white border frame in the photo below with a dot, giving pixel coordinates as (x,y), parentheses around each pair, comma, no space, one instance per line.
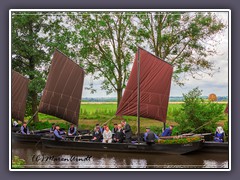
(127,10)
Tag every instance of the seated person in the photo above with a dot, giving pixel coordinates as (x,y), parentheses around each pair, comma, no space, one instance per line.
(168,131)
(103,128)
(15,124)
(52,128)
(114,130)
(58,134)
(24,129)
(107,135)
(72,131)
(219,135)
(119,135)
(97,135)
(150,136)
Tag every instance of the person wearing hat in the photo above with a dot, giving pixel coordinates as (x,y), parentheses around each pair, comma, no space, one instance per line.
(168,131)
(149,136)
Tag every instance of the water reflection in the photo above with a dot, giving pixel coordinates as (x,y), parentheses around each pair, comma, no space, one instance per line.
(39,157)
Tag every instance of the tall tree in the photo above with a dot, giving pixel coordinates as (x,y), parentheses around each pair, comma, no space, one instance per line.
(35,35)
(106,45)
(184,39)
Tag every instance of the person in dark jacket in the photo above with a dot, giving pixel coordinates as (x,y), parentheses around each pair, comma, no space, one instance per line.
(58,134)
(219,135)
(103,128)
(119,135)
(127,131)
(150,136)
(72,131)
(114,130)
(168,131)
(97,135)
(24,129)
(53,128)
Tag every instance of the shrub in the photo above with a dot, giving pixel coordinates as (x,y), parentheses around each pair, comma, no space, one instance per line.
(196,113)
(17,162)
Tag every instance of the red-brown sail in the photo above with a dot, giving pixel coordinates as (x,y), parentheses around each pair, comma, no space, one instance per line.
(155,83)
(19,95)
(63,91)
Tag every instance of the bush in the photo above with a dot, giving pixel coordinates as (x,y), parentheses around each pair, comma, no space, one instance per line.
(17,162)
(46,125)
(196,113)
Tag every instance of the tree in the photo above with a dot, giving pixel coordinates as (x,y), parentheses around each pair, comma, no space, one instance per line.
(198,115)
(184,39)
(35,35)
(106,45)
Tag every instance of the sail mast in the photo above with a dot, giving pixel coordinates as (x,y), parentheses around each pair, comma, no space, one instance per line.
(138,95)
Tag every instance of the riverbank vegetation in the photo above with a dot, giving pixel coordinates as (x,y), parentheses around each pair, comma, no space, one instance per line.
(17,162)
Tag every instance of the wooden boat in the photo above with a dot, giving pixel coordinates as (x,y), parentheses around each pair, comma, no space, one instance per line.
(155,107)
(34,136)
(215,147)
(209,145)
(78,144)
(15,129)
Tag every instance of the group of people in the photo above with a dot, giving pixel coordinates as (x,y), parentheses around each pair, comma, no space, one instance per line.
(120,133)
(55,129)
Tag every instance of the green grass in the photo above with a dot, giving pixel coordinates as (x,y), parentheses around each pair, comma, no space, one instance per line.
(17,162)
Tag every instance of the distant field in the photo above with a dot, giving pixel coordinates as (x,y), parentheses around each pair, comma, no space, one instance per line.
(105,111)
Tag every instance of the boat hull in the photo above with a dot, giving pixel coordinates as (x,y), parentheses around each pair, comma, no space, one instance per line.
(26,138)
(123,147)
(215,147)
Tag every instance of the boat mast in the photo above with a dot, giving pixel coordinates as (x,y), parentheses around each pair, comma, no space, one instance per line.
(138,95)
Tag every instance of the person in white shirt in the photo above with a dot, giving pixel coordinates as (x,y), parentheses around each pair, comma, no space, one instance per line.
(107,135)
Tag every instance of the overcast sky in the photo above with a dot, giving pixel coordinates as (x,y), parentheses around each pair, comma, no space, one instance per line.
(217,84)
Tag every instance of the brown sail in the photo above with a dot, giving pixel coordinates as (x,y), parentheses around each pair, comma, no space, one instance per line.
(19,95)
(155,83)
(63,91)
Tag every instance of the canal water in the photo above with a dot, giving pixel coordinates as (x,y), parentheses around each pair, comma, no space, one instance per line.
(40,157)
